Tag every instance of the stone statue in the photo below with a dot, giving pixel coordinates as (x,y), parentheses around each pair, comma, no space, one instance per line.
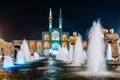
(104,32)
(113,39)
(72,39)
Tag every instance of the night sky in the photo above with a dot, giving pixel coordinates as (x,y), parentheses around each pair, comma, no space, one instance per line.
(19,20)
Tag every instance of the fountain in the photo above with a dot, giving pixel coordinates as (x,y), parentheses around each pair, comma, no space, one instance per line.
(61,54)
(65,54)
(8,62)
(20,57)
(85,56)
(109,52)
(70,56)
(96,64)
(36,56)
(78,52)
(32,58)
(96,60)
(25,50)
(53,70)
(58,56)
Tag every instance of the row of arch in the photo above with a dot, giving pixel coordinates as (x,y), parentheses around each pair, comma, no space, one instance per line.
(47,37)
(4,44)
(46,44)
(38,44)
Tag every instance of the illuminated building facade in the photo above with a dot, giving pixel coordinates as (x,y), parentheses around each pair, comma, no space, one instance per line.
(54,38)
(51,40)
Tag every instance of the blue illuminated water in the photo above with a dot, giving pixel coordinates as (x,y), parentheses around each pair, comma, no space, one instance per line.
(8,62)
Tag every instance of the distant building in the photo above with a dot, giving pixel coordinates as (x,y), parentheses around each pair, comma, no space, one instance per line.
(51,40)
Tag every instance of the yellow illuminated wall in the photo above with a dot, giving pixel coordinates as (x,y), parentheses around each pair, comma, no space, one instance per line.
(64,37)
(84,44)
(39,47)
(46,44)
(39,44)
(39,51)
(46,37)
(9,45)
(32,44)
(64,44)
(31,51)
(46,51)
(7,51)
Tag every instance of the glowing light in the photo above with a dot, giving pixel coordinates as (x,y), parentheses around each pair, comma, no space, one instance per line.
(20,62)
(55,52)
(8,66)
(51,50)
(50,11)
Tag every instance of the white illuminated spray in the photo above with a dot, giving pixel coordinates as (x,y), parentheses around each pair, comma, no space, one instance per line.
(96,59)
(25,50)
(78,52)
(20,57)
(109,52)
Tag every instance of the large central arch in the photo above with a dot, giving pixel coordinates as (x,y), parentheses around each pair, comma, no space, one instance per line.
(55,46)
